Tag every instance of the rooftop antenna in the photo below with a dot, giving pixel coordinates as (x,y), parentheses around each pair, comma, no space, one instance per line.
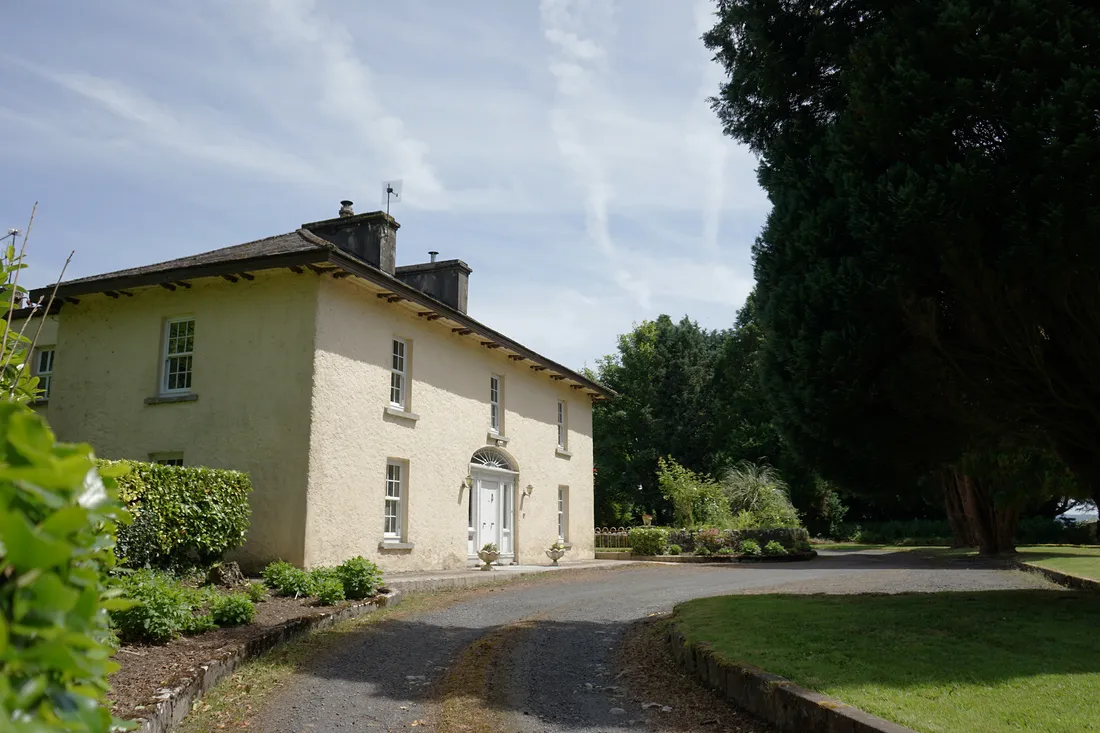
(391,191)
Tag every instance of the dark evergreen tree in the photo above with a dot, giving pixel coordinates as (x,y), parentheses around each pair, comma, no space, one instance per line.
(928,279)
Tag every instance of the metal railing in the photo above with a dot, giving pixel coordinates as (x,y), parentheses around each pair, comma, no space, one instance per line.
(612,538)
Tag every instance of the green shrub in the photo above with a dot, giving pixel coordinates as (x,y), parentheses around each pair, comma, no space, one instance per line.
(197,623)
(162,608)
(703,552)
(709,540)
(803,546)
(773,548)
(750,548)
(57,530)
(287,580)
(696,498)
(232,610)
(724,551)
(182,515)
(675,549)
(329,591)
(321,574)
(647,540)
(257,592)
(760,491)
(360,577)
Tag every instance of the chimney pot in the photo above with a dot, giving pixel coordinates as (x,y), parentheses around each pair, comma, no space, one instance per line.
(345,209)
(433,254)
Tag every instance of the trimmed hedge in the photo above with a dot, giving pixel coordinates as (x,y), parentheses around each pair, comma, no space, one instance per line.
(183,515)
(647,541)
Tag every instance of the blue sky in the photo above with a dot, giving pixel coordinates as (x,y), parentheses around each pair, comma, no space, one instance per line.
(564,148)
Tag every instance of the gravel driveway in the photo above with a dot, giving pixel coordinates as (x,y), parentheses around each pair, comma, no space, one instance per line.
(552,668)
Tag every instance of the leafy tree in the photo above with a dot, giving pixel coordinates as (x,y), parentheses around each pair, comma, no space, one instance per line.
(662,372)
(927,279)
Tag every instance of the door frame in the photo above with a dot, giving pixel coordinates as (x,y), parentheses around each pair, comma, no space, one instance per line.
(508,481)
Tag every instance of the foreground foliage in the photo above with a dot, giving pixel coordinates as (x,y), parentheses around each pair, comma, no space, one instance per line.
(57,525)
(930,661)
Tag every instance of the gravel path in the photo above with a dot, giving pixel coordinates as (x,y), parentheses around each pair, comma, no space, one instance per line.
(552,668)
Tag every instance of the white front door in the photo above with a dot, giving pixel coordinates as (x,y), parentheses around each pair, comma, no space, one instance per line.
(491,514)
(488,513)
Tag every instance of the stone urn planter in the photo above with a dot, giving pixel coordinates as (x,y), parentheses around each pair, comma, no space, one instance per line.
(488,555)
(556,552)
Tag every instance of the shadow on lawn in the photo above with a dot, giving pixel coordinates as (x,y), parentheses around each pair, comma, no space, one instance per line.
(897,641)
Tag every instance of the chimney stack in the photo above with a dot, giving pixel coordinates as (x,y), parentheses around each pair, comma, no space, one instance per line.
(371,237)
(432,254)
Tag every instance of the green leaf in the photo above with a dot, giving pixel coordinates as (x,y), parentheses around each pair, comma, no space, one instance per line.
(26,548)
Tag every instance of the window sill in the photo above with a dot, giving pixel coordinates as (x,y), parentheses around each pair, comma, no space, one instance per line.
(497,439)
(562,453)
(166,398)
(40,402)
(385,545)
(402,414)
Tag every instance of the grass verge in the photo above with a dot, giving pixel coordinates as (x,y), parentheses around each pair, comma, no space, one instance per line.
(936,662)
(1083,562)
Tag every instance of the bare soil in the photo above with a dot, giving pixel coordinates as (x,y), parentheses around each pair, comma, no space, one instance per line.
(683,705)
(148,668)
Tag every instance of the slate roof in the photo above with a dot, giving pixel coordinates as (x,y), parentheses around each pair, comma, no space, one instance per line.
(296,241)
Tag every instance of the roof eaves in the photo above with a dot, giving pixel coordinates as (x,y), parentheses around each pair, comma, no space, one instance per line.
(361,269)
(189,272)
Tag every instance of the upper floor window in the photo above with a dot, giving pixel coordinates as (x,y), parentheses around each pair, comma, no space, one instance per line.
(494,403)
(179,349)
(43,369)
(398,373)
(563,432)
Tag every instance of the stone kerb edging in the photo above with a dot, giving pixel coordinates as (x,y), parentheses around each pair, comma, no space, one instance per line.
(174,703)
(1075,582)
(790,708)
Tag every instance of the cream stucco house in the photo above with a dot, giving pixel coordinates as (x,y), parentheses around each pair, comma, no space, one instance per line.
(374,415)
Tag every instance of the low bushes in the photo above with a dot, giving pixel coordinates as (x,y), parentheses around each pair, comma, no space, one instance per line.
(361,578)
(353,579)
(647,540)
(162,608)
(232,610)
(182,516)
(710,541)
(773,549)
(749,547)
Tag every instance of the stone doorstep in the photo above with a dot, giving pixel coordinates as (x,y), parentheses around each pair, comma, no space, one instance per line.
(790,708)
(1076,582)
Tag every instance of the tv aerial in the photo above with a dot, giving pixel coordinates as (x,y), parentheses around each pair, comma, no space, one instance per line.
(391,193)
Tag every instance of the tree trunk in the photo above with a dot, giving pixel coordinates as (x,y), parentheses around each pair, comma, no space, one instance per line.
(961,530)
(994,529)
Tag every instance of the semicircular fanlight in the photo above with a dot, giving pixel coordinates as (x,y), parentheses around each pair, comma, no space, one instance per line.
(492,458)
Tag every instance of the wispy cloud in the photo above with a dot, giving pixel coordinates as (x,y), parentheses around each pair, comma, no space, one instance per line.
(564,149)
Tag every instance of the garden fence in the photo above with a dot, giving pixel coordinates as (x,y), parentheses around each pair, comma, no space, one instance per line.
(612,538)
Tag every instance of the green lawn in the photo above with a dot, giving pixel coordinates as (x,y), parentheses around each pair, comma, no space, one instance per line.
(1081,561)
(938,662)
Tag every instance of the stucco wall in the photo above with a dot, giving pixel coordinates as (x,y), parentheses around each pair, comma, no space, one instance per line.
(47,337)
(352,438)
(252,373)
